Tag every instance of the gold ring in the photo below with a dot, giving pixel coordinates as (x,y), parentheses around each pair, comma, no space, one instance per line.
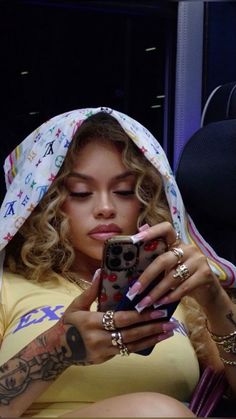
(176,242)
(178,236)
(116,339)
(124,350)
(182,273)
(178,252)
(108,320)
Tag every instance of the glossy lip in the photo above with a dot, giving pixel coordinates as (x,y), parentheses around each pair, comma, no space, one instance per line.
(104,232)
(105,228)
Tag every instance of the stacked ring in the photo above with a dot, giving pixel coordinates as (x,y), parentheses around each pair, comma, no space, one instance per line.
(124,350)
(178,252)
(181,272)
(116,339)
(176,242)
(108,320)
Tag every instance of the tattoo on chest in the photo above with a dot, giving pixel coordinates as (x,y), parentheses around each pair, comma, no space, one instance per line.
(40,361)
(230,318)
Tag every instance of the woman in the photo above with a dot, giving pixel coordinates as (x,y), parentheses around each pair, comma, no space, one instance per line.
(104,187)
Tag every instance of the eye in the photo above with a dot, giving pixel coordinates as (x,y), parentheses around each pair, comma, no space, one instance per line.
(80,194)
(125,193)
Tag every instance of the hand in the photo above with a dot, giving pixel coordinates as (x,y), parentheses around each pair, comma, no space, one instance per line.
(199,281)
(92,344)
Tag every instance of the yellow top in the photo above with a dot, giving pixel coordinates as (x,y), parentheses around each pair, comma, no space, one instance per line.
(31,308)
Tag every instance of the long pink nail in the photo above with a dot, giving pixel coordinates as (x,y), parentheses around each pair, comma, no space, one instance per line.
(134,290)
(139,236)
(168,327)
(161,302)
(96,274)
(145,302)
(164,336)
(158,314)
(144,227)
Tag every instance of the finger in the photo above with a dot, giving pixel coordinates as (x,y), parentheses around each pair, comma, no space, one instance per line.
(164,230)
(185,288)
(173,279)
(200,278)
(124,319)
(155,271)
(148,342)
(161,270)
(144,331)
(84,301)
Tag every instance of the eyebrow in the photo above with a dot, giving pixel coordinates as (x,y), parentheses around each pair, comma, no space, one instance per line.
(123,175)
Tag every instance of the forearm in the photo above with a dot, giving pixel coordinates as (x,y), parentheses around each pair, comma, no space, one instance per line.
(29,373)
(221,315)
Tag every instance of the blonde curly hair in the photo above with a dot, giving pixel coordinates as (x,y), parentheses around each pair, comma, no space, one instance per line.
(42,248)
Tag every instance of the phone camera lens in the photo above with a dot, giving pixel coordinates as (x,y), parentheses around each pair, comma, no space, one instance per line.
(116,250)
(115,262)
(128,256)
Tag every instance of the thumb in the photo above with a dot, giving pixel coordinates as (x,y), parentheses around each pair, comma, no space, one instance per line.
(84,301)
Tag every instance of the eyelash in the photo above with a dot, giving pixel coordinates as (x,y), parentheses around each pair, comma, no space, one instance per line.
(80,194)
(86,194)
(124,193)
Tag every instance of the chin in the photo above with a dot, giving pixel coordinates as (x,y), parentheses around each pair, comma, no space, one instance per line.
(96,255)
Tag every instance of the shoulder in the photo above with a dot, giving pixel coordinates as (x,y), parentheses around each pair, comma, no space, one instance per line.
(16,289)
(10,277)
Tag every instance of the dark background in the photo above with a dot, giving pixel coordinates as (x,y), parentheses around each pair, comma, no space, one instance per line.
(62,55)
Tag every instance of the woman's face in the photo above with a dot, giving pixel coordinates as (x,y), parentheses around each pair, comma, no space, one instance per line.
(101,200)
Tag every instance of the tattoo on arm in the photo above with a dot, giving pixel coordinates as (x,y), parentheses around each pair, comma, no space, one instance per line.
(41,360)
(230,318)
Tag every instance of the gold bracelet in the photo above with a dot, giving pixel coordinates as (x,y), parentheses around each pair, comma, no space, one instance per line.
(218,338)
(226,342)
(227,362)
(228,345)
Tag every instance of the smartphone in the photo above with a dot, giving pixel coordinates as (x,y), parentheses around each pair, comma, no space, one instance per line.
(123,262)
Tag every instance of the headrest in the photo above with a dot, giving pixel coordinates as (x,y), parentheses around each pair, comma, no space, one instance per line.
(221,104)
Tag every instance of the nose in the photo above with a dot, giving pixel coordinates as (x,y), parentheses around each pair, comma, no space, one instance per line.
(104,207)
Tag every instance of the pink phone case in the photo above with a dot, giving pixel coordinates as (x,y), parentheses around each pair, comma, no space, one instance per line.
(123,263)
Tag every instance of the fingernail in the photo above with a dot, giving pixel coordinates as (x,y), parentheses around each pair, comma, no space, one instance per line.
(158,314)
(164,336)
(134,290)
(139,236)
(145,302)
(168,327)
(96,274)
(144,227)
(161,302)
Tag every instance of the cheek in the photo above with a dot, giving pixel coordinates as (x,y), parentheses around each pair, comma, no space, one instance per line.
(137,207)
(133,211)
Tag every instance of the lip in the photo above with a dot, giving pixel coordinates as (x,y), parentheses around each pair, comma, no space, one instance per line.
(104,231)
(105,228)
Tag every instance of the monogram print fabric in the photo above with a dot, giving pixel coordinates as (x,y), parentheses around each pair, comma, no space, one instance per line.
(33,165)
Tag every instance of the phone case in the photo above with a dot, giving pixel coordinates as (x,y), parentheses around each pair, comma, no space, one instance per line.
(123,263)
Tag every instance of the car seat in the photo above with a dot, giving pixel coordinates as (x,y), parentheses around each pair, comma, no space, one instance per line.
(206,172)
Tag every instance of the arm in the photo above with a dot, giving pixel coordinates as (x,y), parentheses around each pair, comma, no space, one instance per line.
(78,338)
(25,376)
(221,315)
(199,282)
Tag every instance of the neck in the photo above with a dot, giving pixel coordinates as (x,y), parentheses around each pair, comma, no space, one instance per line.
(86,267)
